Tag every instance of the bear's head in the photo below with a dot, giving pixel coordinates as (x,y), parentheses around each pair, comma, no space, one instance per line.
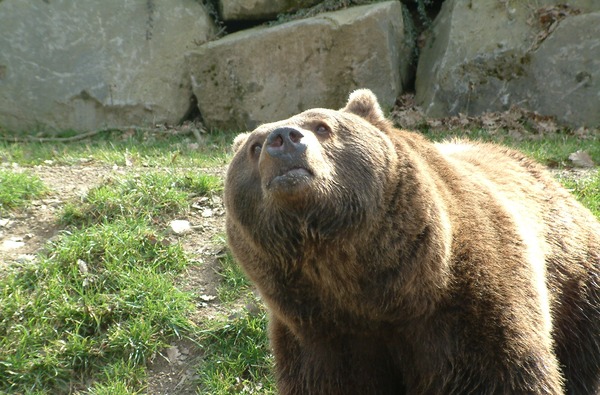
(321,172)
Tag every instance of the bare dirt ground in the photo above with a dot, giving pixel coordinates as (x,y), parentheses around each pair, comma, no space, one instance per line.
(24,233)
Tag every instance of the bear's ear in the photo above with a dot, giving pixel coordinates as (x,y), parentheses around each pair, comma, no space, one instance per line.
(363,103)
(239,140)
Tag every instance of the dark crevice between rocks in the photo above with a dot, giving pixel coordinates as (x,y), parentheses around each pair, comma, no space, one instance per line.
(423,12)
(409,87)
(193,113)
(228,27)
(236,26)
(418,18)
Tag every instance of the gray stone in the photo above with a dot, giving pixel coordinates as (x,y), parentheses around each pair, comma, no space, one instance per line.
(88,64)
(232,10)
(564,73)
(490,55)
(265,74)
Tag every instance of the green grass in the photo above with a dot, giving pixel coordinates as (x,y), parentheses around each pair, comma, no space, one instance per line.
(147,195)
(16,189)
(234,284)
(98,296)
(137,148)
(119,378)
(586,190)
(238,360)
(101,300)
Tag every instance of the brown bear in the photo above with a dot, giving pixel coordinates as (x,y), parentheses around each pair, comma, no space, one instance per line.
(390,264)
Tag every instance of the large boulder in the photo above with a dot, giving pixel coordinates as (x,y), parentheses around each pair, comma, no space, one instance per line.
(232,10)
(264,74)
(564,73)
(489,55)
(90,64)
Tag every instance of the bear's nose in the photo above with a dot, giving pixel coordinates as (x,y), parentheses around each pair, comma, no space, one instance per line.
(285,141)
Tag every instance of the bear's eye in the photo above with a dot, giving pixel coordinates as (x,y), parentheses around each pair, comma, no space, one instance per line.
(322,130)
(255,149)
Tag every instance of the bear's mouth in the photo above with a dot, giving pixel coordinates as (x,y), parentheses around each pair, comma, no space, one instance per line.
(291,178)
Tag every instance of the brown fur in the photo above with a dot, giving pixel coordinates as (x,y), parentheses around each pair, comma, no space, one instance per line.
(393,265)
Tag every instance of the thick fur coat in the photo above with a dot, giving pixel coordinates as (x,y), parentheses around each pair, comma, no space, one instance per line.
(393,265)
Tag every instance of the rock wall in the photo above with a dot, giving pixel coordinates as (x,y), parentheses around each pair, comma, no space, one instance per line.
(268,73)
(87,65)
(564,73)
(490,55)
(90,64)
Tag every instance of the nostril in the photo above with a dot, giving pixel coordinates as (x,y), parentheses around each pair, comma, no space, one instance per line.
(277,141)
(295,136)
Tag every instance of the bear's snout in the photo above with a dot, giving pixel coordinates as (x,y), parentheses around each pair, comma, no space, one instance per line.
(285,143)
(284,165)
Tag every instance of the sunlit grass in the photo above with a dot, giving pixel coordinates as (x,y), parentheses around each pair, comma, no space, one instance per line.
(237,355)
(101,300)
(586,190)
(18,188)
(146,195)
(98,296)
(137,148)
(238,360)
